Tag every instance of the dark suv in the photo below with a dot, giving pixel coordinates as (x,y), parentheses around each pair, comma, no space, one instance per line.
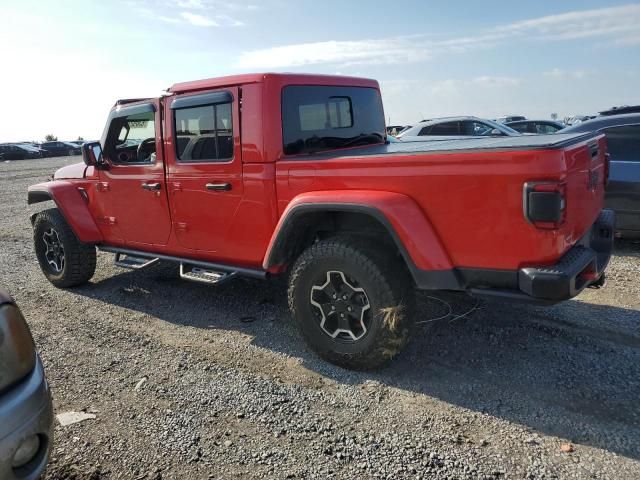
(623,191)
(26,413)
(59,149)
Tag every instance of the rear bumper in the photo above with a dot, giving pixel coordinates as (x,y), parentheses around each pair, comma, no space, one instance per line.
(583,265)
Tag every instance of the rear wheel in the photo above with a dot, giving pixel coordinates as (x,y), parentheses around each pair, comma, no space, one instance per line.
(352,303)
(64,260)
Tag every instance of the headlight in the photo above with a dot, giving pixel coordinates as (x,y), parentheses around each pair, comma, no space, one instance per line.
(17,351)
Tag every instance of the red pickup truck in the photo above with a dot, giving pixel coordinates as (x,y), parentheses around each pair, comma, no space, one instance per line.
(272,174)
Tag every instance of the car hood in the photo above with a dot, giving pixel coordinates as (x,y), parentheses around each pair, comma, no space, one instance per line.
(70,171)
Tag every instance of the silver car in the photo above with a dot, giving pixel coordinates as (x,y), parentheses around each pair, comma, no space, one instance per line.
(26,413)
(455,127)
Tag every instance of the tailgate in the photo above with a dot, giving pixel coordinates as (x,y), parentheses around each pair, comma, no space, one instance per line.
(585,184)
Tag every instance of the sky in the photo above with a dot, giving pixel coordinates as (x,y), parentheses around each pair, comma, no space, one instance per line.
(64,63)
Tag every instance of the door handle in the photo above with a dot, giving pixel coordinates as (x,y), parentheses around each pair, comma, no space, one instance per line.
(152,187)
(220,187)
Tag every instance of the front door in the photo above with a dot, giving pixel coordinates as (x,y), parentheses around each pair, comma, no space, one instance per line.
(205,167)
(131,193)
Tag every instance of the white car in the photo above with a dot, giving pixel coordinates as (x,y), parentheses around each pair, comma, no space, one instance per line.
(456,127)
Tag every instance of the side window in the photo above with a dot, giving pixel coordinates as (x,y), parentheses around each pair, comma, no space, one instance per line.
(132,139)
(476,129)
(446,128)
(319,118)
(543,128)
(204,133)
(519,127)
(424,132)
(623,143)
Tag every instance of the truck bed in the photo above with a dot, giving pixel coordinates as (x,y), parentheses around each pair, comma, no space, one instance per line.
(471,187)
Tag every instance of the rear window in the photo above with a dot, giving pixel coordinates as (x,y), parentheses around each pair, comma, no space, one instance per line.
(317,118)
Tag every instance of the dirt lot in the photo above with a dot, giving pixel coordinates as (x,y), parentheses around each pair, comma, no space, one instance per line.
(190,381)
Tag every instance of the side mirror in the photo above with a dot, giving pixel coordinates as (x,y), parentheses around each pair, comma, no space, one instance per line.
(92,154)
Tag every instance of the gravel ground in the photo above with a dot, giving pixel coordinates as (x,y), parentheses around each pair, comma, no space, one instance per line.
(190,381)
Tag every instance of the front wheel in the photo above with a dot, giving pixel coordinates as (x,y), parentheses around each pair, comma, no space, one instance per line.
(64,260)
(352,303)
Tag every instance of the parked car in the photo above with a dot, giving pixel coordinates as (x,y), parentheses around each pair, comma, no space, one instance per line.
(456,127)
(510,118)
(623,143)
(536,127)
(76,142)
(26,414)
(59,149)
(11,151)
(34,146)
(303,185)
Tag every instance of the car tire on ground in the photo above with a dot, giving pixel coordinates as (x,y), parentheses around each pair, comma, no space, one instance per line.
(352,303)
(64,260)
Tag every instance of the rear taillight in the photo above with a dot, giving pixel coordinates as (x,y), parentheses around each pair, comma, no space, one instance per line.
(545,203)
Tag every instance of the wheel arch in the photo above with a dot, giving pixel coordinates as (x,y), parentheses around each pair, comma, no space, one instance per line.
(71,204)
(395,216)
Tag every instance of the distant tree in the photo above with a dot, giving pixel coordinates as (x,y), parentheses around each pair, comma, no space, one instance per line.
(50,138)
(80,139)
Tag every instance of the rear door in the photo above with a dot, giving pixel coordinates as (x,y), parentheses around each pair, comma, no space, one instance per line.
(131,196)
(623,191)
(205,167)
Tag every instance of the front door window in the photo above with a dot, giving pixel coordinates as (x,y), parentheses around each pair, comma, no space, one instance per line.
(132,139)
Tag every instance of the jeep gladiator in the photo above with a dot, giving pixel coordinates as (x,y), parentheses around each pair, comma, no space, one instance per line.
(266,175)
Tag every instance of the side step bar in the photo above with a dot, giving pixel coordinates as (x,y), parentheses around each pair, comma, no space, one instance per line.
(203,275)
(190,263)
(131,261)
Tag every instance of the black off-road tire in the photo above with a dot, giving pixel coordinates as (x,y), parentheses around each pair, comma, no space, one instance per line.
(389,290)
(79,258)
